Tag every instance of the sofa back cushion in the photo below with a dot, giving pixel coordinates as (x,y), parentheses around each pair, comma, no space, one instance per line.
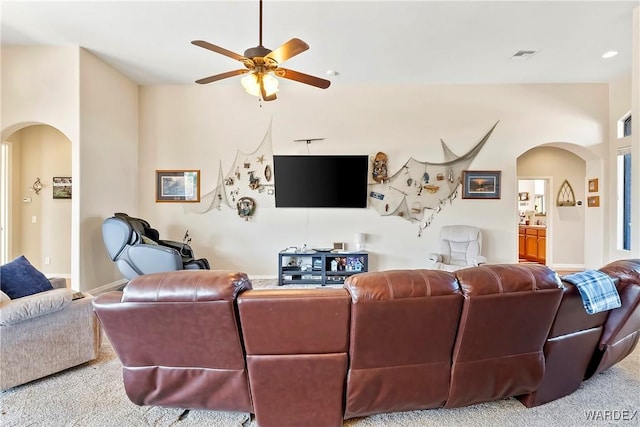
(403,326)
(506,317)
(179,329)
(296,342)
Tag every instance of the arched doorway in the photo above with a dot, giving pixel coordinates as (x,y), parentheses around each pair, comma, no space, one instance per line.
(564,226)
(37,222)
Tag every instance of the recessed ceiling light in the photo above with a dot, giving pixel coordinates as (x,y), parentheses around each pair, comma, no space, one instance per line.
(610,54)
(332,73)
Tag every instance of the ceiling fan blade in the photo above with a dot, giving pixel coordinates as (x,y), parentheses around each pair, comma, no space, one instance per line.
(288,50)
(302,78)
(221,76)
(218,49)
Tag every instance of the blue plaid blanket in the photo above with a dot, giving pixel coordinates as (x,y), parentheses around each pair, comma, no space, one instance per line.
(597,290)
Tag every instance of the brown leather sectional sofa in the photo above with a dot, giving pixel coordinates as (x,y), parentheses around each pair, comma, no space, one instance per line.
(388,341)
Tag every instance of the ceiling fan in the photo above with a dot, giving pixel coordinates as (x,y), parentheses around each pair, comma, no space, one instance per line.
(260,66)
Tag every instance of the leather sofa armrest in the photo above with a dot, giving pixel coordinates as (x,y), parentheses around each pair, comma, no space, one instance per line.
(187,286)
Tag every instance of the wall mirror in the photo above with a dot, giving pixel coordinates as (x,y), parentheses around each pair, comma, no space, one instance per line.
(535,200)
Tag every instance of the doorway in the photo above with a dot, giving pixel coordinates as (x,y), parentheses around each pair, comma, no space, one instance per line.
(35,223)
(533,219)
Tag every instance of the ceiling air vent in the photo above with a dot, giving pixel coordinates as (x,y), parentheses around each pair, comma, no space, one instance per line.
(523,54)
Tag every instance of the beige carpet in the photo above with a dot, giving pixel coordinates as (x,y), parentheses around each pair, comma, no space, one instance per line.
(93,395)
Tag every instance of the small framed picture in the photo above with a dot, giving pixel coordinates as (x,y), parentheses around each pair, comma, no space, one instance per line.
(61,187)
(481,184)
(593,201)
(524,196)
(593,185)
(178,186)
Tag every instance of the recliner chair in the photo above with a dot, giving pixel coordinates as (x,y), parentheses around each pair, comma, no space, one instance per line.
(460,247)
(136,248)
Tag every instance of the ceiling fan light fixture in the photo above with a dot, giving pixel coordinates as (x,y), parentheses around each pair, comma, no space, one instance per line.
(270,84)
(261,64)
(251,84)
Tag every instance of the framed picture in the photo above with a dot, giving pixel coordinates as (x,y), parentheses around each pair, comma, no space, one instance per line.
(593,185)
(178,186)
(481,184)
(524,196)
(61,187)
(593,201)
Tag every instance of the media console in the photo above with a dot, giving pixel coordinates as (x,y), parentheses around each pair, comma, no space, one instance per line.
(322,268)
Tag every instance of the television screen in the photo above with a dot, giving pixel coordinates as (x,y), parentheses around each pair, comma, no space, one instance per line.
(324,181)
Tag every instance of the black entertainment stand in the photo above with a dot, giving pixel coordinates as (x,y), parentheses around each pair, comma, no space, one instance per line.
(321,268)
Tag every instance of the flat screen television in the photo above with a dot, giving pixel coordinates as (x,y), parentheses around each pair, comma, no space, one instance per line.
(320,181)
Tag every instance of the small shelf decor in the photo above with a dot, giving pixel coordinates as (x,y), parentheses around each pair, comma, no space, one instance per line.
(178,186)
(565,195)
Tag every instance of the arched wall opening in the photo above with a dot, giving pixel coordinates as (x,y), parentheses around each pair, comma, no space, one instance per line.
(38,221)
(575,234)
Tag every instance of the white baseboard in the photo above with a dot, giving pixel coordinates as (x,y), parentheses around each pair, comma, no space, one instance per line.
(108,287)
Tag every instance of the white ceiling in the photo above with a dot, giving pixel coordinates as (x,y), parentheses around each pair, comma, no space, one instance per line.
(399,42)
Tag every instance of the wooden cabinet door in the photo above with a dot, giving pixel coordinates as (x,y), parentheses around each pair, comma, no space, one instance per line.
(531,247)
(542,250)
(521,246)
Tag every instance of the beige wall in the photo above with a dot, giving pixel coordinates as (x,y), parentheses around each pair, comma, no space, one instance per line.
(215,121)
(41,151)
(201,127)
(71,90)
(108,161)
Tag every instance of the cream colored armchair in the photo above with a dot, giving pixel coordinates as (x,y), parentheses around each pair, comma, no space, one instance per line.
(45,333)
(460,247)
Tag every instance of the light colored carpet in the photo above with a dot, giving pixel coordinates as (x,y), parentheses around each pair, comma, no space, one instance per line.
(93,395)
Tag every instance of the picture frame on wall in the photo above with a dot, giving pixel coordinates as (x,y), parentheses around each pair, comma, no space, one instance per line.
(593,201)
(593,185)
(481,184)
(61,187)
(182,186)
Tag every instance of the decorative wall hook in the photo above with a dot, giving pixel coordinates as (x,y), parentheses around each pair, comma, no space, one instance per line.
(37,186)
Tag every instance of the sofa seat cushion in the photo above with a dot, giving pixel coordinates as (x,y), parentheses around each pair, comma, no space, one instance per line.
(16,311)
(19,278)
